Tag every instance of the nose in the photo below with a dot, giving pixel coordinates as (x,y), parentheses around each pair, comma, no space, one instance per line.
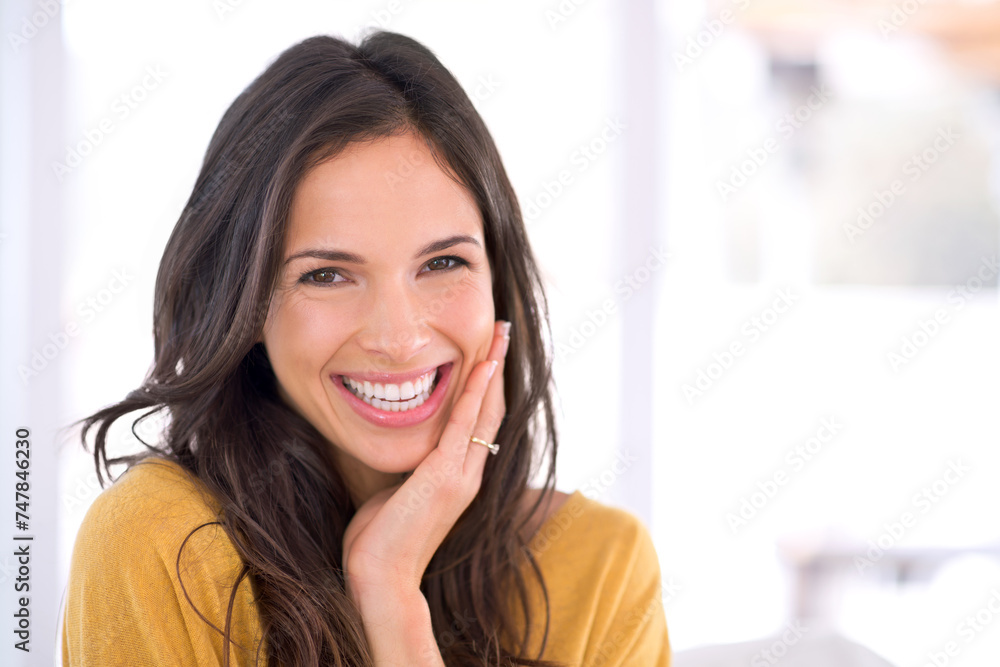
(395,325)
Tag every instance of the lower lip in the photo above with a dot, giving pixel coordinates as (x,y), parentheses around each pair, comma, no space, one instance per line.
(399,419)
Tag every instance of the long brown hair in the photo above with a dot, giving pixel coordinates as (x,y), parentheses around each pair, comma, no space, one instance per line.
(283,502)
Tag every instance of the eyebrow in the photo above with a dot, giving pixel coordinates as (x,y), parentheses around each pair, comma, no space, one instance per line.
(332,255)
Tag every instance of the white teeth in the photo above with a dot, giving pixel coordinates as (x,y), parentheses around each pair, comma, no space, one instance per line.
(394,397)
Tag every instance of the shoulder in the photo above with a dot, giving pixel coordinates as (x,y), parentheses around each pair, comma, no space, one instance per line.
(603,585)
(154,500)
(573,523)
(154,481)
(583,539)
(150,546)
(143,522)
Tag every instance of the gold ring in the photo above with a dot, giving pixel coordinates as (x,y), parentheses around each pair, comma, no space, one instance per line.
(493,447)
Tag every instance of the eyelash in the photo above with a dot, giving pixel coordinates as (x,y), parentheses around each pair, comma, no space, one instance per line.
(306,277)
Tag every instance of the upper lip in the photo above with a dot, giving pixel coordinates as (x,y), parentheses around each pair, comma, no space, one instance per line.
(391,378)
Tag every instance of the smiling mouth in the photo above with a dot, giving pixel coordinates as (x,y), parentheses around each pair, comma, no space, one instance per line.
(394,397)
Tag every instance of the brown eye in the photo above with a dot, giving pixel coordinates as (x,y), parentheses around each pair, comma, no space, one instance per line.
(446,263)
(439,263)
(320,277)
(323,276)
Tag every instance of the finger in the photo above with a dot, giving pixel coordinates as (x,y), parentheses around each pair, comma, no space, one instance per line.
(461,422)
(466,412)
(493,407)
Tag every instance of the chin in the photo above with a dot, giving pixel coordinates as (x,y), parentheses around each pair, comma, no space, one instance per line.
(400,461)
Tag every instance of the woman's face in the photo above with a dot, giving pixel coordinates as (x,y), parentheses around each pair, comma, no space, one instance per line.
(386,282)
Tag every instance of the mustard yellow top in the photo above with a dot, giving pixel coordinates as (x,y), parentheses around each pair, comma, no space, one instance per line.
(125,605)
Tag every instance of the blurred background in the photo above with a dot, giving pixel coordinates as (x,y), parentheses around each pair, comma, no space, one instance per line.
(769,236)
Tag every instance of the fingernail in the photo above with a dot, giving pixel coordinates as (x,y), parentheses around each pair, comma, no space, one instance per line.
(506,344)
(493,368)
(505,328)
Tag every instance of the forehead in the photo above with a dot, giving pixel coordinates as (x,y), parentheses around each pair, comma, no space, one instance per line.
(386,191)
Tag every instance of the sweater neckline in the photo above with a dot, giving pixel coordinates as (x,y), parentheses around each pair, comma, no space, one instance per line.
(551,529)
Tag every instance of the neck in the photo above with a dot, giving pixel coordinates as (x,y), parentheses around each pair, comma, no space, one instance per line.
(363,482)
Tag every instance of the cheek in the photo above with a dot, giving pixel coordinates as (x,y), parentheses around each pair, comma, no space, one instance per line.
(299,336)
(466,311)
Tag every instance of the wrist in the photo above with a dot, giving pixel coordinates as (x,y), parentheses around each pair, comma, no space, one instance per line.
(399,630)
(383,599)
(373,590)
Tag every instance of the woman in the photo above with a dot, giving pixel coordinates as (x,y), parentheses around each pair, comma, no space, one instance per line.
(348,347)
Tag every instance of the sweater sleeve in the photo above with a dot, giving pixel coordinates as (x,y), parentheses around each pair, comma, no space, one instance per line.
(629,622)
(131,601)
(604,587)
(637,632)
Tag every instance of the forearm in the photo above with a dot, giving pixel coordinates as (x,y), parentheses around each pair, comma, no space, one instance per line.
(399,630)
